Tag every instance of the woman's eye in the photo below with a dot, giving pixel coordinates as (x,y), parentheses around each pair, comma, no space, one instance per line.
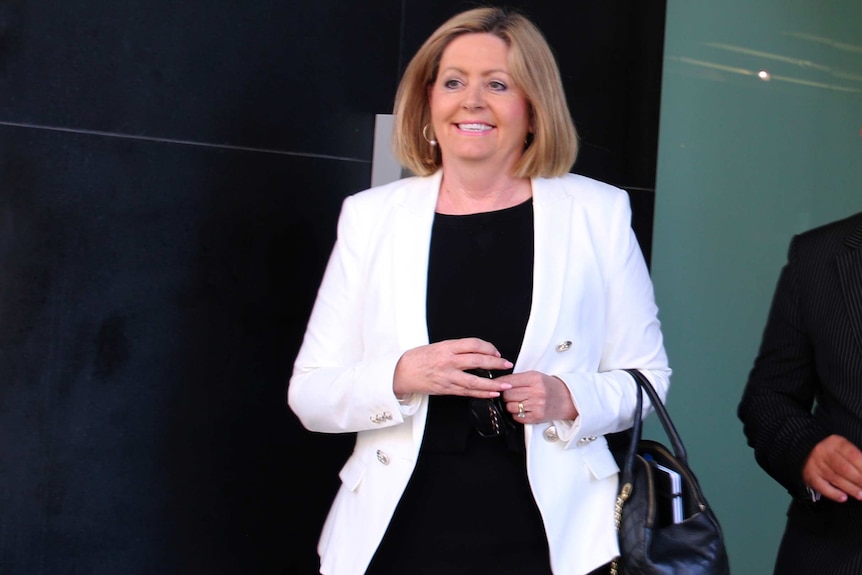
(451,84)
(497,85)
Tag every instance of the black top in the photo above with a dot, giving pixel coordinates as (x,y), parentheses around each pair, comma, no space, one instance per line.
(480,281)
(468,508)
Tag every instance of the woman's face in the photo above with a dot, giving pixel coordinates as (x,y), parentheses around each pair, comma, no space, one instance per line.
(479,115)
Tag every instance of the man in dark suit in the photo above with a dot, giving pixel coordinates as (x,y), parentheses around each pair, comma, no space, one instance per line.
(802,405)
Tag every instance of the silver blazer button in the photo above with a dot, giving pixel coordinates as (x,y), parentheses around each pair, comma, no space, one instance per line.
(382,457)
(564,346)
(381,417)
(550,434)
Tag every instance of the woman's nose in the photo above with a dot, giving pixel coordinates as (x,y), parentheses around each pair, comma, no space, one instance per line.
(473,99)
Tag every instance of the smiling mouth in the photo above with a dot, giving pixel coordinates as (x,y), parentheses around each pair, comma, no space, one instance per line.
(475,127)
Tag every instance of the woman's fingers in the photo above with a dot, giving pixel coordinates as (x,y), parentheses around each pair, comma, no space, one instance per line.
(541,397)
(442,369)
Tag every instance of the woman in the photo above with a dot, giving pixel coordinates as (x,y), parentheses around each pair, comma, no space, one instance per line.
(472,325)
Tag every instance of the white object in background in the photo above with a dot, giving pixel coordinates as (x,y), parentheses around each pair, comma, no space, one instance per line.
(384,167)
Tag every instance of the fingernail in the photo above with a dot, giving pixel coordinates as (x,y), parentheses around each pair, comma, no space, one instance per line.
(494,393)
(506,386)
(509,364)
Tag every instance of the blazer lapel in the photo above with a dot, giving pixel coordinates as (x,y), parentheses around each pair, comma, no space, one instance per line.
(412,237)
(552,220)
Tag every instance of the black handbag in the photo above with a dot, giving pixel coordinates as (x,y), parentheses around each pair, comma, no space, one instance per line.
(652,541)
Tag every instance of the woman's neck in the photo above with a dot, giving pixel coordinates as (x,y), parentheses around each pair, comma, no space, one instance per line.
(475,193)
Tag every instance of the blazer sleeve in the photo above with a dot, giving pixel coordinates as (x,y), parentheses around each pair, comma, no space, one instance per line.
(776,404)
(631,334)
(332,361)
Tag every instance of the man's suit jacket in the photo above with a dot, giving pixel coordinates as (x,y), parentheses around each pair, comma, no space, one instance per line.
(806,383)
(593,313)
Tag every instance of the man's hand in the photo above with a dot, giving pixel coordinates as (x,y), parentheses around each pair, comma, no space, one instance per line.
(834,469)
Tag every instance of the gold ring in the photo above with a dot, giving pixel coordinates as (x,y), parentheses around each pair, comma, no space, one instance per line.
(521,413)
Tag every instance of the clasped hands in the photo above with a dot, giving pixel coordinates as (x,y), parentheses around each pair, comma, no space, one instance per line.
(441,369)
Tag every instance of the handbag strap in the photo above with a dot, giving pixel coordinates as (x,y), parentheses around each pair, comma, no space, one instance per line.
(643,384)
(627,472)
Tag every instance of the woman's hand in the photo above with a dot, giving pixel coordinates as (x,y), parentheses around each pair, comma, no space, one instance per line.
(536,397)
(440,369)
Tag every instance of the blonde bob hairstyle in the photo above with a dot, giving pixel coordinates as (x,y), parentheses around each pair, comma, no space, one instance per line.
(554,145)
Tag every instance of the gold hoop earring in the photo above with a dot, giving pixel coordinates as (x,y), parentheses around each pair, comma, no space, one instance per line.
(431,141)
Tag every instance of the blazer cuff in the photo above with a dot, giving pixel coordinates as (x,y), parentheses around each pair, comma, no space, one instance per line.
(409,404)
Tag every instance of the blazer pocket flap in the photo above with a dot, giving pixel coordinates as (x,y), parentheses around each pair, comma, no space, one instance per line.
(352,472)
(601,463)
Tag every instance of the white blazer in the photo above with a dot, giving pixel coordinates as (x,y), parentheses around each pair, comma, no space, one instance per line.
(593,313)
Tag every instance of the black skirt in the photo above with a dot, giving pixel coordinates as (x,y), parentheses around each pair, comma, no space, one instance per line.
(466,512)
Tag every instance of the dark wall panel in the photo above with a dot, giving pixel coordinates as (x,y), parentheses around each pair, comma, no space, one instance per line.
(149,319)
(297,76)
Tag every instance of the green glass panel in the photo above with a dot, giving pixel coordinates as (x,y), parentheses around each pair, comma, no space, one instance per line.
(744,163)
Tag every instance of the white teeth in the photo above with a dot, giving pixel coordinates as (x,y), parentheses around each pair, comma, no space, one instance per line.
(474,127)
